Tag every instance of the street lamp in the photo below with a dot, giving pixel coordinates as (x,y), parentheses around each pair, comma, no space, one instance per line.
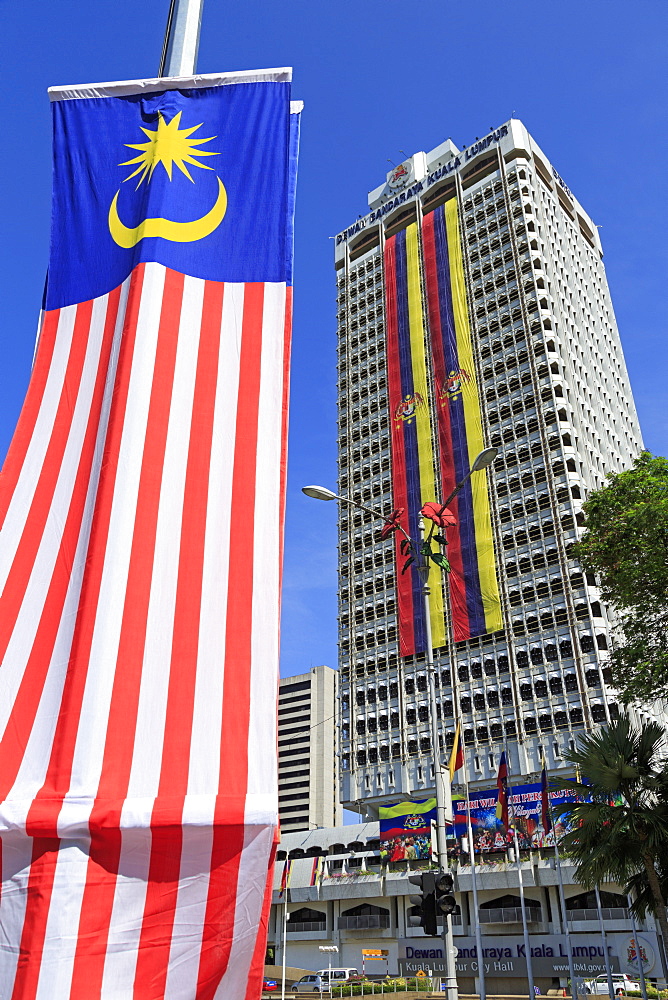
(420,553)
(483,460)
(331,949)
(320,493)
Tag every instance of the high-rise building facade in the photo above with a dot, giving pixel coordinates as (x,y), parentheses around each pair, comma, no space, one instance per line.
(308,792)
(545,375)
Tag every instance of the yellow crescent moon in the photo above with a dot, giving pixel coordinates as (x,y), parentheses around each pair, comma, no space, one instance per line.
(176,232)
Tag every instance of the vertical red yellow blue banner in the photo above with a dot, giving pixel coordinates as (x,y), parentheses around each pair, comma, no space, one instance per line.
(413,457)
(474,593)
(437,429)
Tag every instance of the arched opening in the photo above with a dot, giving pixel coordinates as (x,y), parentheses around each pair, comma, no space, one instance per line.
(583,906)
(508,910)
(363,917)
(306,919)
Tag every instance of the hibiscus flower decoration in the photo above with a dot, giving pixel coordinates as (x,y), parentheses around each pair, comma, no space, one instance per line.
(391,525)
(439,514)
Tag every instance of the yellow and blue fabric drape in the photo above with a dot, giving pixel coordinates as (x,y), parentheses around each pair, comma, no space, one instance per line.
(414,480)
(427,465)
(474,591)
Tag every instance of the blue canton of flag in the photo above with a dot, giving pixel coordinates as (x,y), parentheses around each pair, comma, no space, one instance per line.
(193,179)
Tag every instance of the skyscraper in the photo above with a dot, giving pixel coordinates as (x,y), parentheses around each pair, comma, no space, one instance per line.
(473,310)
(308,794)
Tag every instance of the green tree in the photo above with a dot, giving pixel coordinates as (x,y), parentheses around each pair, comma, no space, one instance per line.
(638,886)
(620,831)
(626,545)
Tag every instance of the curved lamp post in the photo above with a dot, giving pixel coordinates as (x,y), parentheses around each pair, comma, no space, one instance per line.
(419,552)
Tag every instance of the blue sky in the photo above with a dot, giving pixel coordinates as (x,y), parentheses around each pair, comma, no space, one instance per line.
(378,77)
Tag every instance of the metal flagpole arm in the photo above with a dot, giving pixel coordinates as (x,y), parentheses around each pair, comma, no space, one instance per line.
(181,44)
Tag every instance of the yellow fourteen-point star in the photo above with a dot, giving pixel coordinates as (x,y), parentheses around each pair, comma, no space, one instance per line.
(168,144)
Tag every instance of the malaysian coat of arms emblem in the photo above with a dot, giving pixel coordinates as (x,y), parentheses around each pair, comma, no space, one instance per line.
(454,385)
(405,411)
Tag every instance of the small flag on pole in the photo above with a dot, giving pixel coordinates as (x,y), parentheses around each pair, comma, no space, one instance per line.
(285,878)
(502,785)
(316,870)
(457,754)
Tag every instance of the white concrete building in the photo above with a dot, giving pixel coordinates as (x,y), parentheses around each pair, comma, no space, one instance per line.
(308,793)
(556,399)
(347,899)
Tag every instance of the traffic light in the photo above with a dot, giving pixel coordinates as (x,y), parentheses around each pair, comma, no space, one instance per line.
(426,902)
(436,899)
(444,900)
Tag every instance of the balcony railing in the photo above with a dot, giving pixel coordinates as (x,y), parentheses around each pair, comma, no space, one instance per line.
(306,925)
(509,915)
(364,922)
(608,913)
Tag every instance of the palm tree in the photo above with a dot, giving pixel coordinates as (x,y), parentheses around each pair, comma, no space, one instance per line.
(638,887)
(619,832)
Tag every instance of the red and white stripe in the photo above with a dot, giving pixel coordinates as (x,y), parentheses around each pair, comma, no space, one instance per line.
(141,516)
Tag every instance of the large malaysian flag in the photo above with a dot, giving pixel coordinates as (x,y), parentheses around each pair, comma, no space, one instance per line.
(141,517)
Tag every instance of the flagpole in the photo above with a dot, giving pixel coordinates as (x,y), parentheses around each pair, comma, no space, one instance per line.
(525,928)
(478,936)
(604,937)
(643,984)
(441,780)
(564,917)
(562,895)
(181,44)
(285,944)
(285,888)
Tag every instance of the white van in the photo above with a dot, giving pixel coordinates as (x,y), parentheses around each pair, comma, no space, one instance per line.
(318,982)
(338,975)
